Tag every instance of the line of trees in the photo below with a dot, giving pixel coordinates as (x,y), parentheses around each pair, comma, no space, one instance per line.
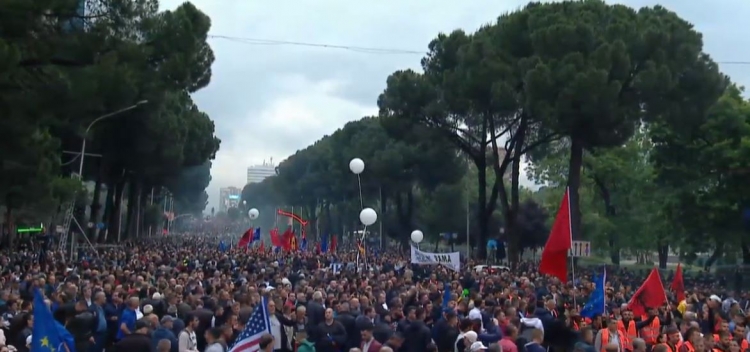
(61,68)
(621,106)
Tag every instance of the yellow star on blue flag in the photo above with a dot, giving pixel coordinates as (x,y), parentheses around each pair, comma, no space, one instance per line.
(47,334)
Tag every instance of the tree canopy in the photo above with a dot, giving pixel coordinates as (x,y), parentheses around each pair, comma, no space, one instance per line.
(583,73)
(61,68)
(416,182)
(621,106)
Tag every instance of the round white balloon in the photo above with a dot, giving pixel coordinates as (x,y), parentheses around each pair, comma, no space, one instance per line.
(368,216)
(357,166)
(417,236)
(253,213)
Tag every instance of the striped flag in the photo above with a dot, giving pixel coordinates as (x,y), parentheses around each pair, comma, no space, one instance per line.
(257,326)
(361,253)
(361,248)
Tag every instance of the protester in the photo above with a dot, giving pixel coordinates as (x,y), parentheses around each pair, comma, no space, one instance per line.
(189,294)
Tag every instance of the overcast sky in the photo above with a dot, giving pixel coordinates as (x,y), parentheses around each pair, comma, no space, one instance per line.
(270,100)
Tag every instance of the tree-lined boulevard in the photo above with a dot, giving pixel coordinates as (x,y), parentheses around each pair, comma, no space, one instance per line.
(623,106)
(620,105)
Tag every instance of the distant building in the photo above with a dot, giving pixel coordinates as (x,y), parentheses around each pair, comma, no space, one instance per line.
(258,173)
(229,197)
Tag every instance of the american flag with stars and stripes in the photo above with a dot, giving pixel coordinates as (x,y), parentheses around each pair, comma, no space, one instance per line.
(258,325)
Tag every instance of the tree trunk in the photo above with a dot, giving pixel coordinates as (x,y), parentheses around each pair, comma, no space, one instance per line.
(114,235)
(511,230)
(95,204)
(663,252)
(404,213)
(610,212)
(383,211)
(712,259)
(482,222)
(132,206)
(10,239)
(145,194)
(574,183)
(480,161)
(109,201)
(312,220)
(745,252)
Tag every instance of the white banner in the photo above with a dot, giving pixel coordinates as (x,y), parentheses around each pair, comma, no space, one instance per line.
(449,260)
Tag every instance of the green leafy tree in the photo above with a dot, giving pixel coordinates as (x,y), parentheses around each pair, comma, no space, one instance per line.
(469,95)
(532,225)
(599,70)
(60,69)
(618,194)
(704,163)
(399,179)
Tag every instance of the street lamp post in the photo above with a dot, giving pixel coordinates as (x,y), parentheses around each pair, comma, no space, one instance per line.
(103,117)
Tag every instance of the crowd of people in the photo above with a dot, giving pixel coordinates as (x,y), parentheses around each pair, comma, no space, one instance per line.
(186,294)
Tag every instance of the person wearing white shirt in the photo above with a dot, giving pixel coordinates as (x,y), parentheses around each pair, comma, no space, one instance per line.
(476,314)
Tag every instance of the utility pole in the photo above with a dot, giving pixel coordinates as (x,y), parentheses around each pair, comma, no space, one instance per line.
(171,213)
(468,212)
(382,218)
(138,217)
(151,203)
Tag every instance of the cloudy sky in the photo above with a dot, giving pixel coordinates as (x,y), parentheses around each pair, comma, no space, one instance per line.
(269,100)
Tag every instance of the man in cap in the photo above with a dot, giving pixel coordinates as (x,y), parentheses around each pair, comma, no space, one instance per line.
(164,332)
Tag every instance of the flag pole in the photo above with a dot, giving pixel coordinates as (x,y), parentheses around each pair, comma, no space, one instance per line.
(666,298)
(572,254)
(573,273)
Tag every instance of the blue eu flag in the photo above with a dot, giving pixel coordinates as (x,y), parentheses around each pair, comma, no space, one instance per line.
(324,244)
(48,335)
(446,295)
(596,303)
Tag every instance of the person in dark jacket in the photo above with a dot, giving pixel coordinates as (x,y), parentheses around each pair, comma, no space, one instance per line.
(383,329)
(164,332)
(418,335)
(395,342)
(445,332)
(139,340)
(100,326)
(346,319)
(366,319)
(315,310)
(330,334)
(403,325)
(24,331)
(112,310)
(82,326)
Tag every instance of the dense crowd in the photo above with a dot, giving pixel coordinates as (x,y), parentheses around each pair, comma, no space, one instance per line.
(186,294)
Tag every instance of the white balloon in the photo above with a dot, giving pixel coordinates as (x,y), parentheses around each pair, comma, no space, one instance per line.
(357,166)
(253,213)
(417,236)
(368,216)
